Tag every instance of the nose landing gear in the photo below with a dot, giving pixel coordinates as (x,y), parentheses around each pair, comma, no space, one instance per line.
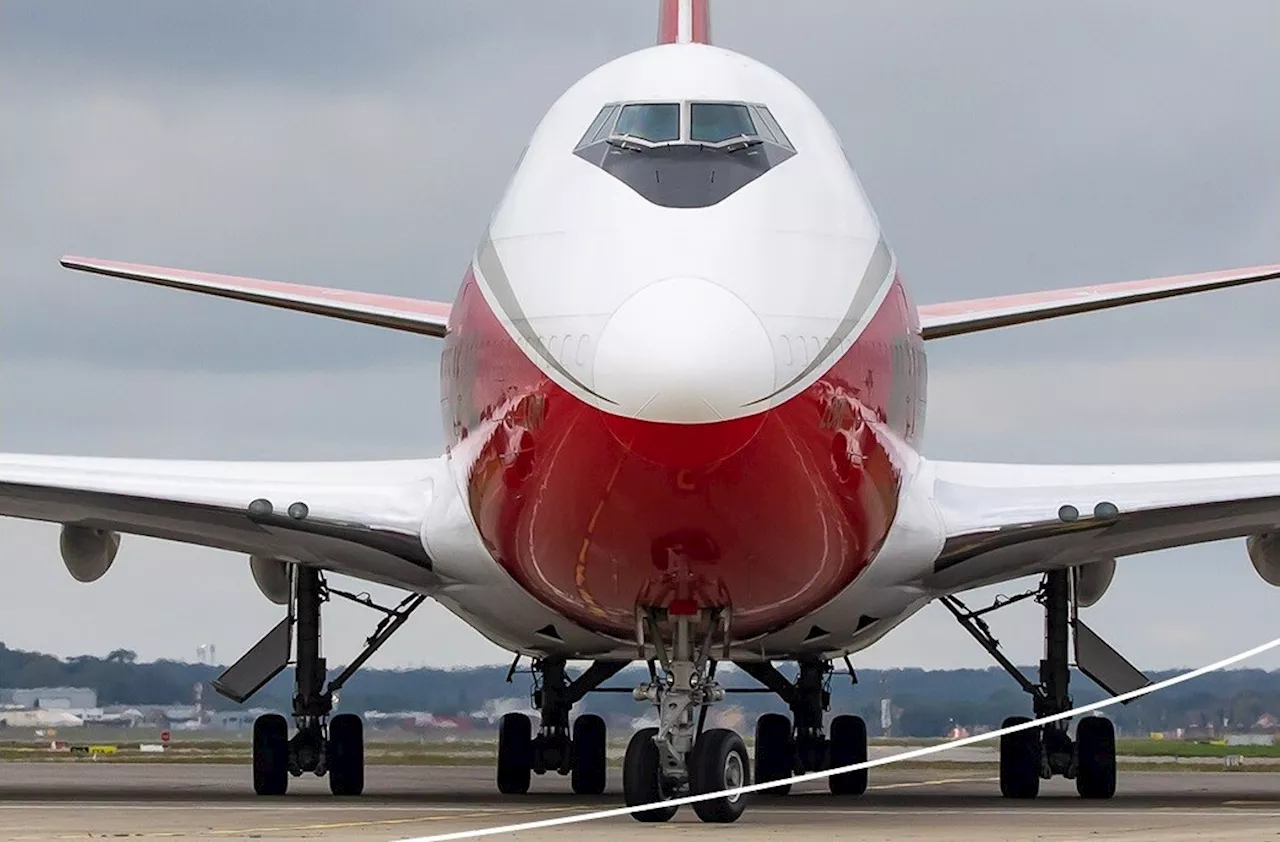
(680,756)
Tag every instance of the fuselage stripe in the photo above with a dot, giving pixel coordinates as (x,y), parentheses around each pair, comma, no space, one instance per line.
(881,266)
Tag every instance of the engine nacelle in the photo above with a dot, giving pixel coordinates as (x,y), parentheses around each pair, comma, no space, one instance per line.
(88,552)
(1264,552)
(1093,580)
(272,578)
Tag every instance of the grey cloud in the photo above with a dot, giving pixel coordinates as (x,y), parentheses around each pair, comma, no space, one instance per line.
(1008,146)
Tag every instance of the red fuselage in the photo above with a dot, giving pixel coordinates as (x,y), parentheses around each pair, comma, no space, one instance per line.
(595,514)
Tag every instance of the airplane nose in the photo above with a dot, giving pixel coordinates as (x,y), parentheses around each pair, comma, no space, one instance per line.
(686,351)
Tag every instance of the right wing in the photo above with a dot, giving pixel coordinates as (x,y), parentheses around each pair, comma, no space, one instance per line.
(360,518)
(408,314)
(1007,521)
(938,321)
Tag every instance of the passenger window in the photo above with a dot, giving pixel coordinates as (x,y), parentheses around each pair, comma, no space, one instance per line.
(654,122)
(714,122)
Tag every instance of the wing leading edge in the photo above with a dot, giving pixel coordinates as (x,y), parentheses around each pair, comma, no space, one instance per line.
(430,318)
(362,518)
(938,321)
(1007,521)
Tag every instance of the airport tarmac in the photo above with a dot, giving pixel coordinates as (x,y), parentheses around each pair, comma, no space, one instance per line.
(63,801)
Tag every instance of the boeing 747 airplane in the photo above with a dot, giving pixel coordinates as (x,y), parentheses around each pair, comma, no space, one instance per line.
(684,391)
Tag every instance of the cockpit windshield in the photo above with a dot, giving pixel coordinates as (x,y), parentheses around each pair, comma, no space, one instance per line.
(654,122)
(688,123)
(685,154)
(716,122)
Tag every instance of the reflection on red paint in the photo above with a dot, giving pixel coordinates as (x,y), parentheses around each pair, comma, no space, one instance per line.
(770,516)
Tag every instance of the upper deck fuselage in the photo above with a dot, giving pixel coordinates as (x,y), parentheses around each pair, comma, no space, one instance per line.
(683,389)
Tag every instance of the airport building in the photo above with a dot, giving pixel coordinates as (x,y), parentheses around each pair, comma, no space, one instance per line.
(49,698)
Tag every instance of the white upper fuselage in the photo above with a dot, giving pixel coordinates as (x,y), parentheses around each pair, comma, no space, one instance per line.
(692,315)
(620,289)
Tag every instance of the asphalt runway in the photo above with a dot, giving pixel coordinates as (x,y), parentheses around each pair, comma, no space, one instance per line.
(63,801)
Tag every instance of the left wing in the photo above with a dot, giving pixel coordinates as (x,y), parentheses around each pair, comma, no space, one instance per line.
(958,317)
(1007,521)
(392,311)
(360,518)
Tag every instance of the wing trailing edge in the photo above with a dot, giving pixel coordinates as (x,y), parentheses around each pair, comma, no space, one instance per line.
(429,318)
(938,321)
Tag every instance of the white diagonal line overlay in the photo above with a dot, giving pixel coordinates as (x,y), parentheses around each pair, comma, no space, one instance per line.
(882,761)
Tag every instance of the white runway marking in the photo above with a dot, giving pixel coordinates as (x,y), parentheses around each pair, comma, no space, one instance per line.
(882,761)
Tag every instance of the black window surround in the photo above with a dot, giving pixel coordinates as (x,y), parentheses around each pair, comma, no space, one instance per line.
(685,154)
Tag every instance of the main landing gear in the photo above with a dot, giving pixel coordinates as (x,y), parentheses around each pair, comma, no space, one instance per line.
(321,744)
(679,757)
(579,752)
(1027,757)
(784,749)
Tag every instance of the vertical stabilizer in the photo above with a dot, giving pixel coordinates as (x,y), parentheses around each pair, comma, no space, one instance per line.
(684,22)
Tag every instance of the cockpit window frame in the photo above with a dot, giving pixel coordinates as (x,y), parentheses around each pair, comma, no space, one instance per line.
(684,173)
(602,127)
(771,122)
(692,105)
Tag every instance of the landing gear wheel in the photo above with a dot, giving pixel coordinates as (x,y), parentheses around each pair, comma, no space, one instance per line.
(641,777)
(1020,760)
(270,755)
(515,754)
(719,762)
(346,755)
(589,765)
(1096,751)
(848,744)
(775,754)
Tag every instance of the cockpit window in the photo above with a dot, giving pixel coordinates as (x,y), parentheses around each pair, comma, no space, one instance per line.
(594,130)
(654,122)
(716,122)
(767,121)
(685,154)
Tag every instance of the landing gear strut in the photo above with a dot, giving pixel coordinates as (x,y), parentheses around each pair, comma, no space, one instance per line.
(1028,756)
(680,756)
(321,745)
(579,753)
(783,750)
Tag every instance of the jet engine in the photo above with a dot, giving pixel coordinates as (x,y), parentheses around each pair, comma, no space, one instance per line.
(1264,552)
(272,578)
(1093,580)
(88,552)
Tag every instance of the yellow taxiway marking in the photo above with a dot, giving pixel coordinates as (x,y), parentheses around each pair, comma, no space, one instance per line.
(437,817)
(315,826)
(939,782)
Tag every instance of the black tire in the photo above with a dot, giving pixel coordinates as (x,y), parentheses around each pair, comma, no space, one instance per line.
(1096,754)
(1020,760)
(775,753)
(848,745)
(270,755)
(590,768)
(346,754)
(641,778)
(718,762)
(515,754)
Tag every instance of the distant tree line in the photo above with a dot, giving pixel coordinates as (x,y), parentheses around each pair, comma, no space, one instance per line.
(926,703)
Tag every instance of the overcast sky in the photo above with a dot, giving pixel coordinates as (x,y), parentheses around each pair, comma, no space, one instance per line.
(1008,145)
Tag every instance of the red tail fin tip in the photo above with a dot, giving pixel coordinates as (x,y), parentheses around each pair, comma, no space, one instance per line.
(684,22)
